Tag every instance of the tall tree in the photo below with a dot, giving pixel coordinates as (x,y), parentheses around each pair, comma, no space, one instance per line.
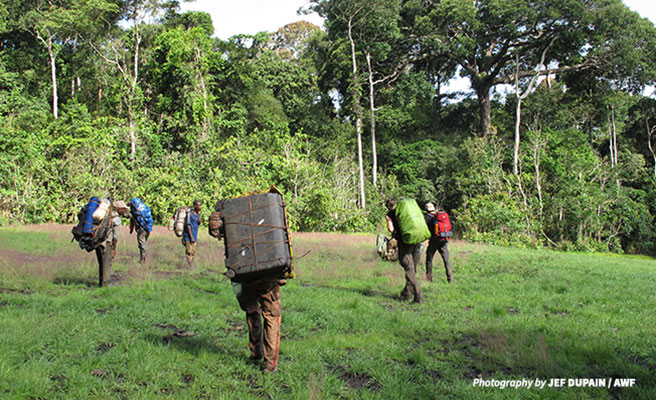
(57,24)
(370,29)
(123,52)
(520,97)
(291,40)
(346,21)
(53,24)
(484,36)
(181,84)
(382,66)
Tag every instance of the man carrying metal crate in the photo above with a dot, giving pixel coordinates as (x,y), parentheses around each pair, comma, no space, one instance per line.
(259,259)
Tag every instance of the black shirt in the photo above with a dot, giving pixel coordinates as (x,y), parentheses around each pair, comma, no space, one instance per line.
(430,222)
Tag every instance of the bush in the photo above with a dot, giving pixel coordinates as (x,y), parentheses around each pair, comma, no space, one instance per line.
(495,219)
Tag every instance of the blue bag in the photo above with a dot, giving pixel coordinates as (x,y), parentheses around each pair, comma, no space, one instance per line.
(142,212)
(88,216)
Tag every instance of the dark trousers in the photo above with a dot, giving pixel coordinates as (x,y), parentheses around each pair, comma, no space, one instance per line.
(104,256)
(441,246)
(261,301)
(409,258)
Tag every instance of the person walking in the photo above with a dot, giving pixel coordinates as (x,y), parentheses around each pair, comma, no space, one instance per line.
(141,220)
(436,243)
(260,299)
(409,255)
(106,251)
(190,234)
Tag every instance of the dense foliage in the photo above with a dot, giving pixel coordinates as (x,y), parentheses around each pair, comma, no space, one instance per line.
(133,98)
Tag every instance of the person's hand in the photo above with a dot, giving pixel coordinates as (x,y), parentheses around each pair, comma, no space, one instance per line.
(113,253)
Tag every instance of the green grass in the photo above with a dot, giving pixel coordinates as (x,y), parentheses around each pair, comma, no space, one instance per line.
(510,314)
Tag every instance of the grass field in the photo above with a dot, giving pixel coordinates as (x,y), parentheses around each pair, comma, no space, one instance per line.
(169,332)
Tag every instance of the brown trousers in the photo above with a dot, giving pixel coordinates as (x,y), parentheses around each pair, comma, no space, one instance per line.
(190,251)
(142,238)
(261,301)
(409,255)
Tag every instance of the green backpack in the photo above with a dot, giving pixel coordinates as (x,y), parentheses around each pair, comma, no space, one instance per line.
(411,221)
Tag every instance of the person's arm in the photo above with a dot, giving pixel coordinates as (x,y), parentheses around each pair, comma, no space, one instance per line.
(131,225)
(390,224)
(429,220)
(116,231)
(188,226)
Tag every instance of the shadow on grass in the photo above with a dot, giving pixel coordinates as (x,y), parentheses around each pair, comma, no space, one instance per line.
(494,352)
(75,281)
(191,344)
(363,292)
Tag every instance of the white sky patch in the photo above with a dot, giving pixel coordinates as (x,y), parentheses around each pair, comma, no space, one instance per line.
(646,8)
(232,17)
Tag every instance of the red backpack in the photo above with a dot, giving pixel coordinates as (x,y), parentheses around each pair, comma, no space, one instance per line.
(443,226)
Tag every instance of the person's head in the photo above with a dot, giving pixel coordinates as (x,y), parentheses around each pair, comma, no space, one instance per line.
(197,205)
(121,207)
(430,207)
(390,204)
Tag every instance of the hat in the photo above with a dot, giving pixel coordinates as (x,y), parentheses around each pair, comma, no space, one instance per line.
(430,207)
(118,204)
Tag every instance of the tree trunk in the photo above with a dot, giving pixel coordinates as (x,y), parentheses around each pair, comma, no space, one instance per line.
(201,83)
(357,110)
(614,144)
(133,135)
(520,97)
(650,132)
(611,148)
(132,89)
(538,179)
(518,120)
(484,108)
(372,111)
(53,72)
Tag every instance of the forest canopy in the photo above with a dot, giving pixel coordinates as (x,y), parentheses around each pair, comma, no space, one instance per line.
(133,98)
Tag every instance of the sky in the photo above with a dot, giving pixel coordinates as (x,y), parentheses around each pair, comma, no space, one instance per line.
(646,8)
(232,17)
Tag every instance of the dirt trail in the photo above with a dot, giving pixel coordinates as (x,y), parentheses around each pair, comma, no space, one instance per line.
(67,262)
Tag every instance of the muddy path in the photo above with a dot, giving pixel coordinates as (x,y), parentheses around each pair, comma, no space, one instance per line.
(47,253)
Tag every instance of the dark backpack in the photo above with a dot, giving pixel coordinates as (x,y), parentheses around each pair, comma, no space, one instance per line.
(78,230)
(443,228)
(215,225)
(90,240)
